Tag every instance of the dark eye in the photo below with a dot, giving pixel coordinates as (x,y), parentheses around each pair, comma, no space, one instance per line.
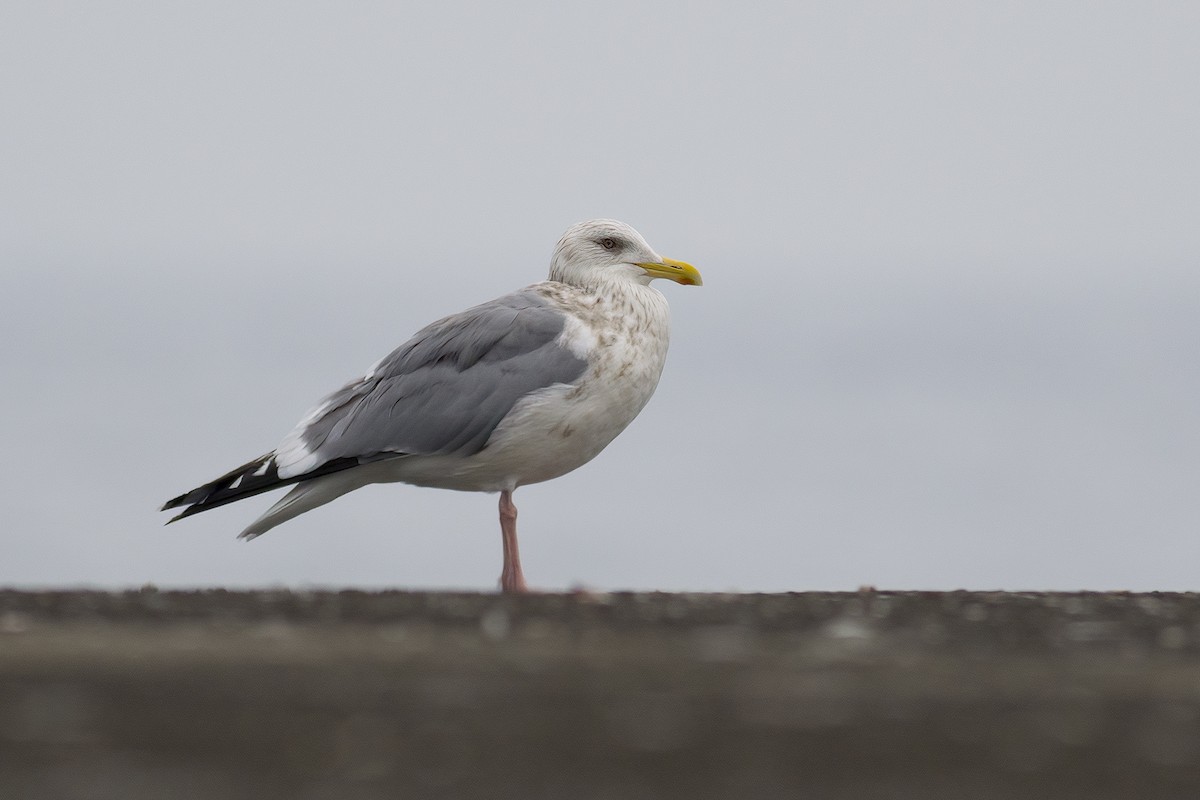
(608,243)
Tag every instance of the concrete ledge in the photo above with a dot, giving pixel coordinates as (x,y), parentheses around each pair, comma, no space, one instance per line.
(299,695)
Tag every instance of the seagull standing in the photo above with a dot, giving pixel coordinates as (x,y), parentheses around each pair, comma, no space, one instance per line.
(518,390)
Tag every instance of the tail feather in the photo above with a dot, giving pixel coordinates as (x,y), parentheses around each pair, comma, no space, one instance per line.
(254,477)
(305,497)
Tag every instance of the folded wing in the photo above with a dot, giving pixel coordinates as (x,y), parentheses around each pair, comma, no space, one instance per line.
(442,392)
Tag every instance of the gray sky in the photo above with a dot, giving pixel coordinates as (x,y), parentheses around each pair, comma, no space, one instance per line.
(947,337)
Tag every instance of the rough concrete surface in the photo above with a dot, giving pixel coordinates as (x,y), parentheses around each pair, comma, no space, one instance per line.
(347,695)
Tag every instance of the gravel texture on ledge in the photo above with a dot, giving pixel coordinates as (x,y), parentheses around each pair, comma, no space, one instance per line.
(281,694)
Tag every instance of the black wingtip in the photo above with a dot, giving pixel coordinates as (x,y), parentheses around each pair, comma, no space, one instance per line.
(174,502)
(197,495)
(251,479)
(219,492)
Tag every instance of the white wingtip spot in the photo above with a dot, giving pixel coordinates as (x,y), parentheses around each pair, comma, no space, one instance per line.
(262,469)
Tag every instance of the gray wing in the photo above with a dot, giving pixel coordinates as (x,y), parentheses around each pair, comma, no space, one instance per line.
(442,392)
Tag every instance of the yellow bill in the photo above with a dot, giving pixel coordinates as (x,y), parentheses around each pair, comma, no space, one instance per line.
(672,270)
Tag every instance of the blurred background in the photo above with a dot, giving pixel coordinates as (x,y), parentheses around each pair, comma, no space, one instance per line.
(947,336)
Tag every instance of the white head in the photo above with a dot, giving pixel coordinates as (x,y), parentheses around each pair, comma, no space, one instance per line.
(601,251)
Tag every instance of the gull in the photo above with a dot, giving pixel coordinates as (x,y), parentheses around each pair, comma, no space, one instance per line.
(516,391)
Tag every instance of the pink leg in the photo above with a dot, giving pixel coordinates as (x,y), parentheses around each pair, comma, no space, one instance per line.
(511,579)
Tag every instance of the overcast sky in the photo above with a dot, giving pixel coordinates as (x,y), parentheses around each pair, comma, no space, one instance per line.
(948,335)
